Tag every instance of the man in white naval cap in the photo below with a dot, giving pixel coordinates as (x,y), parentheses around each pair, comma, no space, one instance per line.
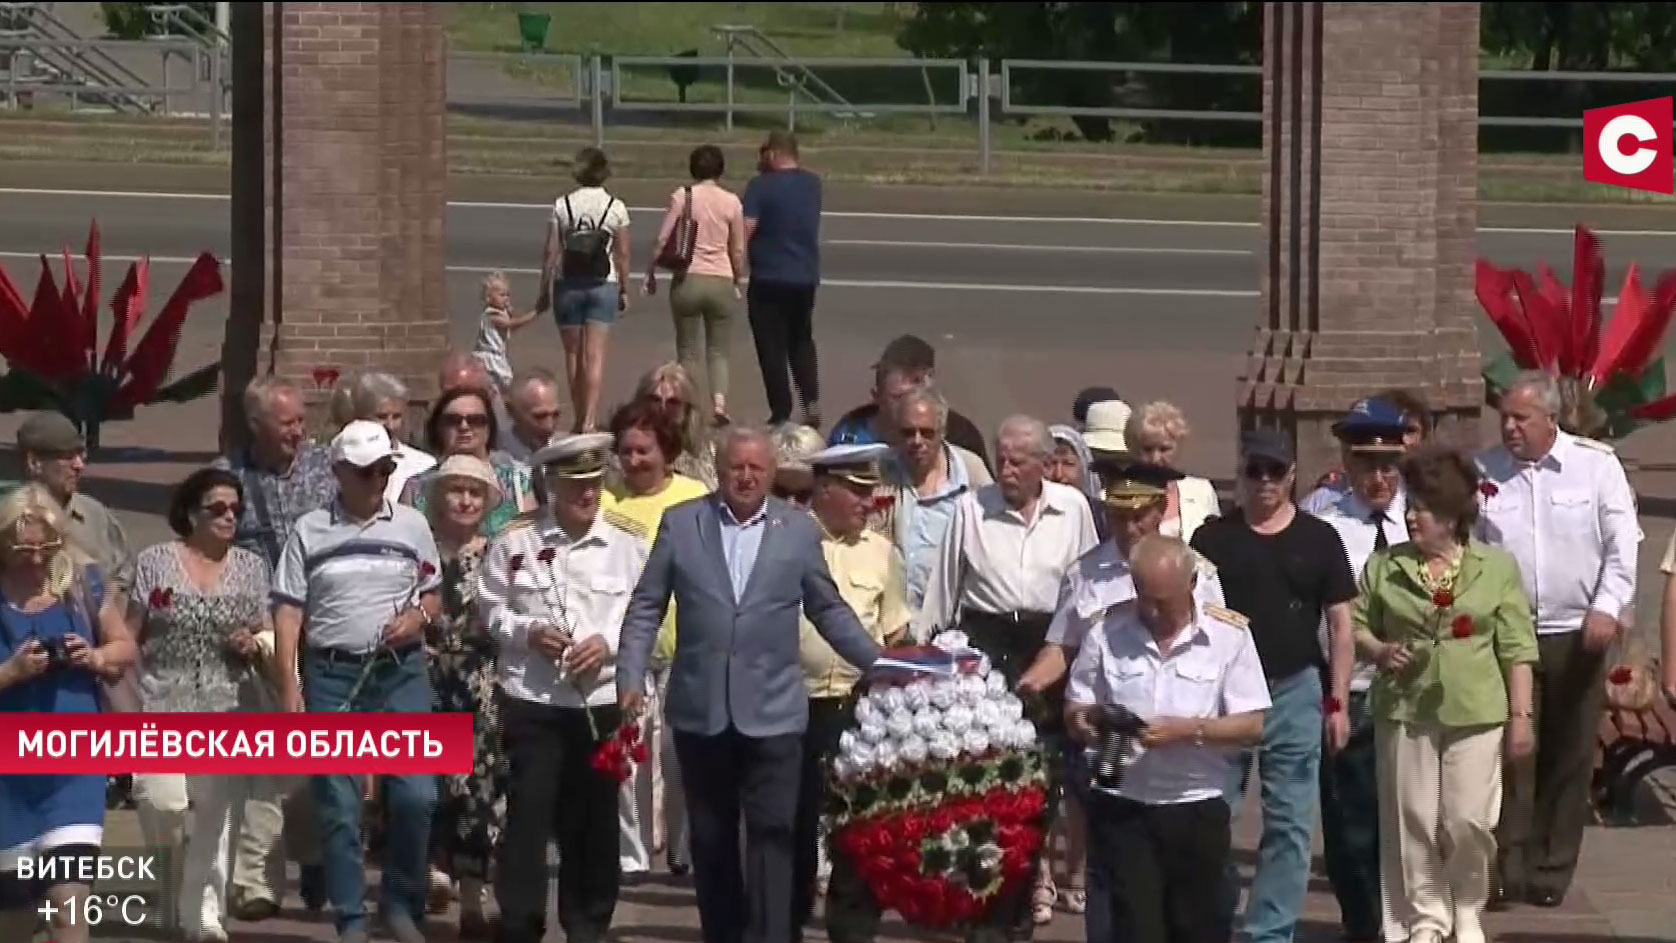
(553,591)
(870,578)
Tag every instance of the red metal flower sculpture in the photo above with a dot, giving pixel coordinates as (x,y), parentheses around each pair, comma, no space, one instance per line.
(1611,375)
(51,345)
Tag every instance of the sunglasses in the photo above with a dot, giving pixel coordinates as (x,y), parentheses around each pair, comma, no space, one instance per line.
(470,420)
(379,470)
(917,432)
(223,508)
(1265,471)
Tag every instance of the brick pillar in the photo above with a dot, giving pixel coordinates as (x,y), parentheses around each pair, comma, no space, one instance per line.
(339,170)
(1370,205)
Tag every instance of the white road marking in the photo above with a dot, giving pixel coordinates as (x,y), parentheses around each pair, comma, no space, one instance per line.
(836,214)
(825,283)
(1020,247)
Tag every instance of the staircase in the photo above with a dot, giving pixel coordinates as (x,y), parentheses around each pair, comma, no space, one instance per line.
(790,73)
(37,48)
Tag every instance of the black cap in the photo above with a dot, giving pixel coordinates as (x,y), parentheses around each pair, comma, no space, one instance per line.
(908,353)
(1272,444)
(1088,397)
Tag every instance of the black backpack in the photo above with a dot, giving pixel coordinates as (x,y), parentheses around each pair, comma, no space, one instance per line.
(587,246)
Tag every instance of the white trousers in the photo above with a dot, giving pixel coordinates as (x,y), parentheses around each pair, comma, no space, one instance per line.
(218,805)
(1439,801)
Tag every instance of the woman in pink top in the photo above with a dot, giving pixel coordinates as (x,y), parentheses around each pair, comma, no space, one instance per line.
(706,292)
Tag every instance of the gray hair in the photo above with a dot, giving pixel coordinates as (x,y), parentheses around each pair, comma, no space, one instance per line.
(795,444)
(925,395)
(531,376)
(1542,385)
(736,436)
(363,394)
(1162,549)
(260,393)
(1028,430)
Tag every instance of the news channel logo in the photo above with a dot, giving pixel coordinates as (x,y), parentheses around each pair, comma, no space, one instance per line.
(1629,146)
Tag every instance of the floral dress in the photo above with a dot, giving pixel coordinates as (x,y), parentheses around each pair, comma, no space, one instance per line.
(183,665)
(471,810)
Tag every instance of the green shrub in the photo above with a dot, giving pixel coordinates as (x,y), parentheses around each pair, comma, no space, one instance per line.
(132,21)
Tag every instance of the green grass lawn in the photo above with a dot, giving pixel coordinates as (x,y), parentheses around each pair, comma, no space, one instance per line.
(664,29)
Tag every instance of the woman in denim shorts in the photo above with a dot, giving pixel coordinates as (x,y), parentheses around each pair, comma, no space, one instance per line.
(586,256)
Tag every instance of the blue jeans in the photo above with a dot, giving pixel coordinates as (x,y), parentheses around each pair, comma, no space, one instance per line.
(579,303)
(397,684)
(1289,771)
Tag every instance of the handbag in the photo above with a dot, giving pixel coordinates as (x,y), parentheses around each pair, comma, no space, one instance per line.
(677,252)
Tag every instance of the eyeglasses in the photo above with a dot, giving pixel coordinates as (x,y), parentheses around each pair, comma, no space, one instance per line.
(223,508)
(378,470)
(1265,471)
(470,420)
(918,432)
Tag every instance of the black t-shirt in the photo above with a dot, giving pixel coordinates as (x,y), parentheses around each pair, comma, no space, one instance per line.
(1282,582)
(961,432)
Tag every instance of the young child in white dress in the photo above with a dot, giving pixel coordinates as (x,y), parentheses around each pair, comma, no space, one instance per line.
(497,325)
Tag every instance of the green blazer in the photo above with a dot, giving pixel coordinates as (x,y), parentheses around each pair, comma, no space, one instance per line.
(1461,653)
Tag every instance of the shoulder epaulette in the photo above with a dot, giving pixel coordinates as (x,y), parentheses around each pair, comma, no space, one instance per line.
(1229,616)
(521,521)
(1597,445)
(623,522)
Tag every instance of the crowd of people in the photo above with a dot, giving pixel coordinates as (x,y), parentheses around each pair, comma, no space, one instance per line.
(1416,647)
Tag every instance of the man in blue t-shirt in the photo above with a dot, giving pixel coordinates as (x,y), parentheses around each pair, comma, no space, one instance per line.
(783,236)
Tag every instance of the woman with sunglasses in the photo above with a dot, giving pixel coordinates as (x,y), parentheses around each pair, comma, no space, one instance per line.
(202,605)
(648,442)
(59,638)
(671,387)
(463,423)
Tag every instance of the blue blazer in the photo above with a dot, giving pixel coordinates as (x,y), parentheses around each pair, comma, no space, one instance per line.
(736,661)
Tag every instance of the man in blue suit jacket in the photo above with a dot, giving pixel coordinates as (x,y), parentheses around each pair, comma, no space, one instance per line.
(741,568)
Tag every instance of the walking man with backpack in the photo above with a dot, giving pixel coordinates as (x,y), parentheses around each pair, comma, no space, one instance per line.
(783,236)
(582,277)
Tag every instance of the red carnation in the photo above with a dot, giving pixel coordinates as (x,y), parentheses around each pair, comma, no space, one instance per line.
(1487,488)
(640,753)
(1462,626)
(426,569)
(914,828)
(1623,674)
(1443,598)
(515,564)
(1035,801)
(546,555)
(161,597)
(942,820)
(883,502)
(630,732)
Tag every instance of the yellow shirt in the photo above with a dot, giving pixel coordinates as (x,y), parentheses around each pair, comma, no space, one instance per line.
(647,509)
(869,575)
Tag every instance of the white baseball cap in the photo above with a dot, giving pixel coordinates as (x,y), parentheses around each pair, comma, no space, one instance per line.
(362,443)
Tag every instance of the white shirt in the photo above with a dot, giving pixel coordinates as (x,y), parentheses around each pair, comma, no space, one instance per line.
(1211,670)
(1570,521)
(992,560)
(490,348)
(591,207)
(1100,581)
(410,463)
(584,589)
(1352,518)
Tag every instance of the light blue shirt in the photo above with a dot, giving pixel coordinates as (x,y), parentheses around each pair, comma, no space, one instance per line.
(740,542)
(922,522)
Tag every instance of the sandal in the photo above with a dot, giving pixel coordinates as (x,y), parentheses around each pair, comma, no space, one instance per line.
(1042,900)
(1074,899)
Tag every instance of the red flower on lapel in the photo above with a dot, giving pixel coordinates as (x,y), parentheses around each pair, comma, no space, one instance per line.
(514,564)
(1462,626)
(546,555)
(882,503)
(426,570)
(1443,598)
(1488,488)
(161,598)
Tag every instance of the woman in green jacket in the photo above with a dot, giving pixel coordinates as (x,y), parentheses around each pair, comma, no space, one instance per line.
(1446,620)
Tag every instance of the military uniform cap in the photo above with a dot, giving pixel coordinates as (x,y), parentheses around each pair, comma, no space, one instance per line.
(1132,485)
(854,463)
(1372,426)
(575,455)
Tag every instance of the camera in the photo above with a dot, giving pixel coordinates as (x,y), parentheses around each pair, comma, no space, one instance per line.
(1117,727)
(58,656)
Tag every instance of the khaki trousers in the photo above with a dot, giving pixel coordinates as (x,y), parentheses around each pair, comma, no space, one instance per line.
(1439,801)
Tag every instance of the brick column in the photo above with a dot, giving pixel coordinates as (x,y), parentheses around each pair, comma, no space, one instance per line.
(1370,206)
(339,170)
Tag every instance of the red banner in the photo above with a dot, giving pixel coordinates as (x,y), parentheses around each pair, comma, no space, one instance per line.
(236,744)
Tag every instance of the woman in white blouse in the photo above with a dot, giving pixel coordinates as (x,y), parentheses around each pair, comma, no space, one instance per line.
(1155,434)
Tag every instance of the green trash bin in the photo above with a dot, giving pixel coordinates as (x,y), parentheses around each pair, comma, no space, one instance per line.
(532,29)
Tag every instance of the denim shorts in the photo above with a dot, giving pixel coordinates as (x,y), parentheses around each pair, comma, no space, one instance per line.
(582,303)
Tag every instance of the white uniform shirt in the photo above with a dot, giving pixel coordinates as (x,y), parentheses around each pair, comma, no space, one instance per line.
(1353,519)
(590,208)
(1570,521)
(992,560)
(1211,670)
(583,589)
(1101,581)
